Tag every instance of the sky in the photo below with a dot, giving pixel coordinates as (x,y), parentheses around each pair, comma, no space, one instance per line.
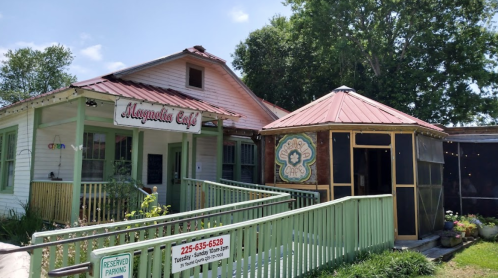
(106,36)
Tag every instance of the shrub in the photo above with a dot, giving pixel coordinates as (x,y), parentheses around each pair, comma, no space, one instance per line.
(17,228)
(387,264)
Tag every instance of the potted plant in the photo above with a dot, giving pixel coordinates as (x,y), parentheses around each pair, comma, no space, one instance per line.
(460,227)
(450,219)
(450,238)
(488,228)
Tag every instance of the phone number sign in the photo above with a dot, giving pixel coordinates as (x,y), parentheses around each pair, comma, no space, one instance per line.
(196,253)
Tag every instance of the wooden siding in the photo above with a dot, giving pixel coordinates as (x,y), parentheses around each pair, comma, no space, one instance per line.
(206,156)
(220,89)
(322,158)
(269,159)
(24,121)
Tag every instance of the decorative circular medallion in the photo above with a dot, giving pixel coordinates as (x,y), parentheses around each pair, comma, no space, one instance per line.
(295,154)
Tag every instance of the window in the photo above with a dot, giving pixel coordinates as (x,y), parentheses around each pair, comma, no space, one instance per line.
(93,156)
(248,162)
(229,160)
(104,153)
(239,161)
(8,142)
(195,77)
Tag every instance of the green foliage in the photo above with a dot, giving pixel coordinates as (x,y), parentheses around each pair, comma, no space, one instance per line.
(121,187)
(148,209)
(387,264)
(17,228)
(27,72)
(434,59)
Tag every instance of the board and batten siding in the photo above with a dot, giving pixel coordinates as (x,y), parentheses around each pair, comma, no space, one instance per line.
(24,122)
(218,90)
(206,157)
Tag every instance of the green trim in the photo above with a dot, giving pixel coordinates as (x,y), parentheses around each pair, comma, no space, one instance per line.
(237,165)
(169,171)
(194,156)
(36,123)
(99,119)
(209,133)
(134,153)
(184,172)
(99,129)
(78,160)
(140,155)
(3,159)
(60,122)
(219,151)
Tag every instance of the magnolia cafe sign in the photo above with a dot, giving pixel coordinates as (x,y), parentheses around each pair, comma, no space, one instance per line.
(146,115)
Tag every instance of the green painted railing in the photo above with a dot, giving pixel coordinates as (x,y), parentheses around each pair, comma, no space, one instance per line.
(303,198)
(288,244)
(68,254)
(206,194)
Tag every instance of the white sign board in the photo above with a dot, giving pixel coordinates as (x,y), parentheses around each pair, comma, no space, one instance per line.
(146,115)
(199,252)
(117,266)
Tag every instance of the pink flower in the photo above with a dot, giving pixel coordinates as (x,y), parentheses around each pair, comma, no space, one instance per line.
(456,222)
(457,236)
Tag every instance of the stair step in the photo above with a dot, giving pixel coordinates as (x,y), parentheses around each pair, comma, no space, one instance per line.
(417,245)
(445,254)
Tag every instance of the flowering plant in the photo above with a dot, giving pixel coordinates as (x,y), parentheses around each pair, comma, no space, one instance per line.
(449,216)
(459,227)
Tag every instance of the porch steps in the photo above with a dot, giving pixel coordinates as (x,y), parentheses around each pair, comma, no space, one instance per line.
(431,247)
(445,254)
(417,245)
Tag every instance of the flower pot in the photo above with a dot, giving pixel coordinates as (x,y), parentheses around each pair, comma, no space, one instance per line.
(450,241)
(448,225)
(488,231)
(471,232)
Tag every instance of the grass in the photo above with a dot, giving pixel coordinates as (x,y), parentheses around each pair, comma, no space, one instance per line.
(479,260)
(17,228)
(387,264)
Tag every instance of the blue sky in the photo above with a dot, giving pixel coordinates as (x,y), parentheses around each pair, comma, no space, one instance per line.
(107,35)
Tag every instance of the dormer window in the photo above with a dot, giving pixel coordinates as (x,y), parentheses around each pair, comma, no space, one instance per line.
(195,77)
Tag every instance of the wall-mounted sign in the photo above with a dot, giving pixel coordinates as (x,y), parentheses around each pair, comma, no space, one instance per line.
(117,266)
(146,115)
(200,252)
(54,146)
(295,154)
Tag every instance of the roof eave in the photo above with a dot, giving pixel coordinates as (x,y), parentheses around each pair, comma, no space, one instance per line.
(343,126)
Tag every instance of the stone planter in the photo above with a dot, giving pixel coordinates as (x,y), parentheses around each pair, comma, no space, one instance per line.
(488,231)
(450,241)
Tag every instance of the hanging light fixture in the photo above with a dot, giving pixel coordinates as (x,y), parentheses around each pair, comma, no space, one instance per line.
(91,103)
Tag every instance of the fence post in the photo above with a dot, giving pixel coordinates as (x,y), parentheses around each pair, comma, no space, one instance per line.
(35,266)
(156,197)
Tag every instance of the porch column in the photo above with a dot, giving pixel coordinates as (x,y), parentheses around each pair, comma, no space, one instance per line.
(183,173)
(134,154)
(219,151)
(78,159)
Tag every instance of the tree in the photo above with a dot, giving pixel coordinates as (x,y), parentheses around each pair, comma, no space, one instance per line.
(27,72)
(434,59)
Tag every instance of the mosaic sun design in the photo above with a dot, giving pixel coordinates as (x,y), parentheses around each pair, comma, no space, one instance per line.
(295,155)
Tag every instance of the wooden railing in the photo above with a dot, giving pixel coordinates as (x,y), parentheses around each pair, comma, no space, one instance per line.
(53,200)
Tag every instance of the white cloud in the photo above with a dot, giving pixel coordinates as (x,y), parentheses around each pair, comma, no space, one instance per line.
(34,46)
(93,52)
(238,15)
(114,66)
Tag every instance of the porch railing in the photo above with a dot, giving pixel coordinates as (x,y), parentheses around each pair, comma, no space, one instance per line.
(303,198)
(288,244)
(118,233)
(53,201)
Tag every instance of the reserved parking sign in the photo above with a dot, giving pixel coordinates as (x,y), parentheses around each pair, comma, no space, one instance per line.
(116,266)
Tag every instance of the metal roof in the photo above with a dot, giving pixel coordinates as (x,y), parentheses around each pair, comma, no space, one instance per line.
(149,93)
(345,106)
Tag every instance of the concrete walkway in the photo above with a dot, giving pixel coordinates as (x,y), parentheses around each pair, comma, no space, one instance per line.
(14,265)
